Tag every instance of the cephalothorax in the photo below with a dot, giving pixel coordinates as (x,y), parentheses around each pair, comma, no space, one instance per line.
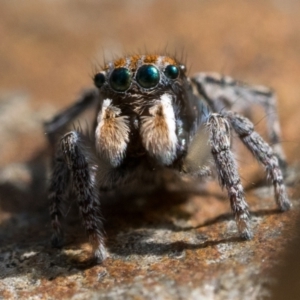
(148,115)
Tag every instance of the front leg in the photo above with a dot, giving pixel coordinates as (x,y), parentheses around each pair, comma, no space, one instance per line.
(82,166)
(219,138)
(58,191)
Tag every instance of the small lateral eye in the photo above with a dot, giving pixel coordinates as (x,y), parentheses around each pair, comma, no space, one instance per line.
(148,76)
(182,68)
(99,80)
(120,79)
(172,71)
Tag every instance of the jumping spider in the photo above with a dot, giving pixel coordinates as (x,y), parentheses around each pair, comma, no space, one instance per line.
(148,113)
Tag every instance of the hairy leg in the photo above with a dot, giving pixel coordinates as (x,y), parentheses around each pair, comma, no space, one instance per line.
(263,153)
(219,138)
(58,191)
(224,93)
(82,168)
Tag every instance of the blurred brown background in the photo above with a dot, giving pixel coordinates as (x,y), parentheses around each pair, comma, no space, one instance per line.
(48,50)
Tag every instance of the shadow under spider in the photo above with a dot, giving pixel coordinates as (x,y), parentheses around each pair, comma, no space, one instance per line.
(28,229)
(229,216)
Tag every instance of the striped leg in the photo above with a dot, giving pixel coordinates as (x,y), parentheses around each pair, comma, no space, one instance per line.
(219,138)
(58,191)
(79,162)
(224,93)
(263,153)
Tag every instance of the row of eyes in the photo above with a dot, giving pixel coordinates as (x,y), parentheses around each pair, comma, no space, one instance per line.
(147,76)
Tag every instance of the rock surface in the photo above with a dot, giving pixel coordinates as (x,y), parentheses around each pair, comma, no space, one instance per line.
(163,248)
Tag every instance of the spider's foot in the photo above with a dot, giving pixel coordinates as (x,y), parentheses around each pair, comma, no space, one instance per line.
(100,254)
(284,204)
(246,234)
(243,223)
(244,228)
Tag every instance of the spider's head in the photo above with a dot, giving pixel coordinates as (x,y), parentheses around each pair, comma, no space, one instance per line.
(145,109)
(140,77)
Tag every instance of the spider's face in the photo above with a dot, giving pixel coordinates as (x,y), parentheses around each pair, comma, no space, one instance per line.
(140,77)
(144,109)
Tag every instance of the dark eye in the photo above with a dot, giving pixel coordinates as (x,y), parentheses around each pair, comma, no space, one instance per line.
(172,71)
(99,80)
(120,79)
(148,76)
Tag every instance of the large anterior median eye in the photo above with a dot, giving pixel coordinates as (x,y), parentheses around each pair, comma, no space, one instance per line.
(120,79)
(148,76)
(172,71)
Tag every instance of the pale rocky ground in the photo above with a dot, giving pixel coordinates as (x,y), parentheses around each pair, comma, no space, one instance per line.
(165,248)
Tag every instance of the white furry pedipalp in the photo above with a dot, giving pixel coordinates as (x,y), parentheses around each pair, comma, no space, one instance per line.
(112,133)
(158,131)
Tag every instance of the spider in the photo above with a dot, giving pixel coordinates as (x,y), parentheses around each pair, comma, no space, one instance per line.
(148,114)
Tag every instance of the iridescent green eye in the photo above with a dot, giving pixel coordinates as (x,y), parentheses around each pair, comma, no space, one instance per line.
(120,79)
(148,76)
(172,71)
(99,80)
